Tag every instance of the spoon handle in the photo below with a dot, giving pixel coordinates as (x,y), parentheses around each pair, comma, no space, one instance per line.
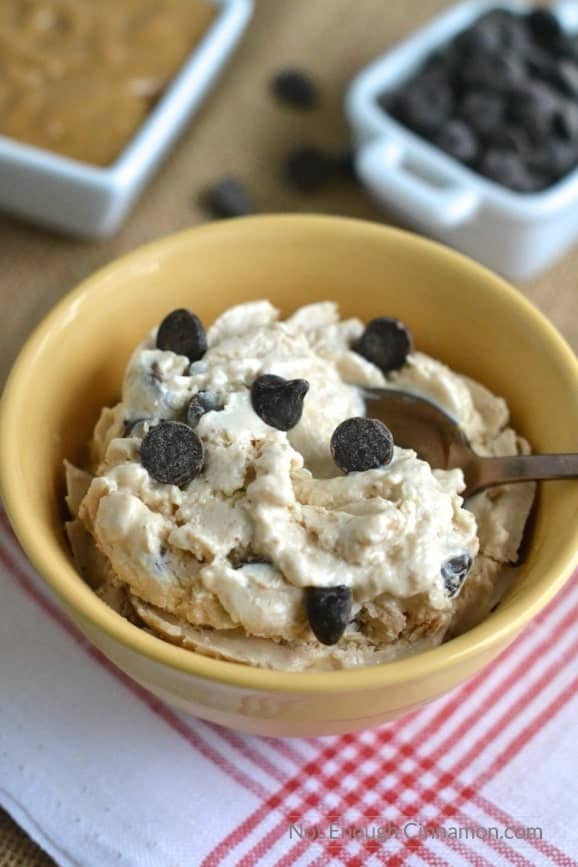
(520,468)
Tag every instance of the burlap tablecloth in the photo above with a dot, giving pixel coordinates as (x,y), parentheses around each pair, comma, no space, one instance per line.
(240,130)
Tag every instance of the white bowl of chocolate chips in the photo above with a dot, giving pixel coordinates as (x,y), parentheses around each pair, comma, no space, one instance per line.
(469,131)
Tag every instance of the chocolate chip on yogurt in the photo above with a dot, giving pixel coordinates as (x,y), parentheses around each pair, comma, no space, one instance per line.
(360,444)
(278,401)
(182,332)
(454,572)
(201,403)
(172,453)
(386,342)
(328,611)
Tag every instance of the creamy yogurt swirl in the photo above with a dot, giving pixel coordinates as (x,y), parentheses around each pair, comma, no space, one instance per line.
(229,555)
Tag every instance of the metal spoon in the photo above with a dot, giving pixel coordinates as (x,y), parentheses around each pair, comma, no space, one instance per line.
(421,425)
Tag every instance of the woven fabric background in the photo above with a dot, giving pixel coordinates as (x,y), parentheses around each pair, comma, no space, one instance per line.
(241,130)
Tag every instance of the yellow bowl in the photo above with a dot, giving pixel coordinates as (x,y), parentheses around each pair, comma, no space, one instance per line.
(459,312)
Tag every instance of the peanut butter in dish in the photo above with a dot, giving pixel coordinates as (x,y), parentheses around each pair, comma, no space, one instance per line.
(78,77)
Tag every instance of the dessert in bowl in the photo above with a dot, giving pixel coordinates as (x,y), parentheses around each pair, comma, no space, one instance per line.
(239,502)
(73,366)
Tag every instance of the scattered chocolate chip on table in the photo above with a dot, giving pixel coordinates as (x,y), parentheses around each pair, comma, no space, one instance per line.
(229,197)
(295,88)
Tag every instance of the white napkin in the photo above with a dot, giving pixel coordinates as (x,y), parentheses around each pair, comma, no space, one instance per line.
(100,773)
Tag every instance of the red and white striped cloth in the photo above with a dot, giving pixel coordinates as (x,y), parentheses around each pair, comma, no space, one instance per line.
(100,773)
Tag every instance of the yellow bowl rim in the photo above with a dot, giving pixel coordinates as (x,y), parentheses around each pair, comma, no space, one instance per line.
(68,585)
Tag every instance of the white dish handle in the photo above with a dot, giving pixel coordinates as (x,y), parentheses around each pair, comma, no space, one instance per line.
(400,177)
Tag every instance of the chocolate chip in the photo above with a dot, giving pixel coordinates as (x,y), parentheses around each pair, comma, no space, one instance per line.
(544,27)
(566,76)
(540,63)
(499,72)
(554,159)
(494,32)
(386,342)
(172,453)
(229,197)
(295,88)
(201,403)
(483,110)
(278,401)
(501,20)
(308,169)
(537,123)
(505,168)
(512,138)
(440,65)
(457,139)
(567,47)
(516,38)
(454,572)
(328,611)
(182,332)
(479,38)
(533,106)
(565,121)
(360,444)
(424,105)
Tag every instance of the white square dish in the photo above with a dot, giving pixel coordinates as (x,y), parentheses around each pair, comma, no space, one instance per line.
(91,201)
(517,234)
